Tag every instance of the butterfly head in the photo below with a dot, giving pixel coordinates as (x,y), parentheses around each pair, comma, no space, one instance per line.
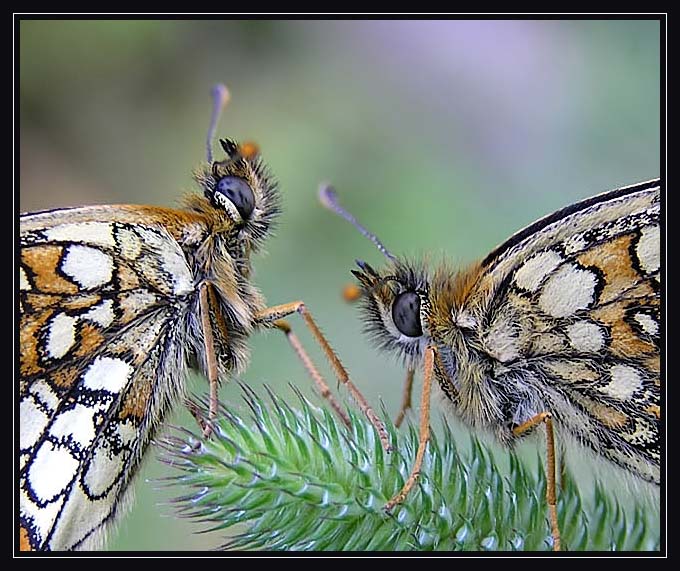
(396,307)
(243,195)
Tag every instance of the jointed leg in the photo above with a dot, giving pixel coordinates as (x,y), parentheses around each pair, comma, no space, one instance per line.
(406,398)
(550,491)
(563,465)
(210,357)
(197,413)
(324,389)
(275,313)
(424,434)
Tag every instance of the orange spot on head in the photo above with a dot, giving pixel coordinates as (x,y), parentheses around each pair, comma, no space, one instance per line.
(249,150)
(351,293)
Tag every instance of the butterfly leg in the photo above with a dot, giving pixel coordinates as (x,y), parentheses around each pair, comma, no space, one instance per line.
(406,398)
(424,433)
(275,313)
(210,358)
(195,410)
(563,465)
(319,381)
(551,497)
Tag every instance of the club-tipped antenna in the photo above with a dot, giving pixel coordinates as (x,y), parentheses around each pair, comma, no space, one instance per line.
(220,95)
(329,199)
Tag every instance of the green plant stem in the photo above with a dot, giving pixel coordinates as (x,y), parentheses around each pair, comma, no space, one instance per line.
(297,479)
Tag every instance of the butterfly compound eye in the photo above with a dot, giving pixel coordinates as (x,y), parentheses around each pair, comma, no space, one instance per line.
(406,314)
(239,193)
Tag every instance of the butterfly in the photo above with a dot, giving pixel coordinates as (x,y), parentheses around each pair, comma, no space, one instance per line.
(559,325)
(116,302)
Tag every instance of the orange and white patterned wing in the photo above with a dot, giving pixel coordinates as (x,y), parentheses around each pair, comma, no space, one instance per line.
(572,302)
(105,302)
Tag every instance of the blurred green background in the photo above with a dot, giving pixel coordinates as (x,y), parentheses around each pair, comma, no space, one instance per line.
(443,137)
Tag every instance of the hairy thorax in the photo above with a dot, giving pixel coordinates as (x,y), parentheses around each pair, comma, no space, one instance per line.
(219,258)
(483,352)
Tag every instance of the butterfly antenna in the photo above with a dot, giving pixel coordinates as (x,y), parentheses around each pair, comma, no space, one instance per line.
(329,199)
(220,95)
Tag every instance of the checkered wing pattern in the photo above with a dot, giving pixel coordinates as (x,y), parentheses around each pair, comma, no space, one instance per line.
(570,309)
(105,301)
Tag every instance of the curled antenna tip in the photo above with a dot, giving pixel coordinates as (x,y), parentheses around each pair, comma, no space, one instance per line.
(329,199)
(327,195)
(221,94)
